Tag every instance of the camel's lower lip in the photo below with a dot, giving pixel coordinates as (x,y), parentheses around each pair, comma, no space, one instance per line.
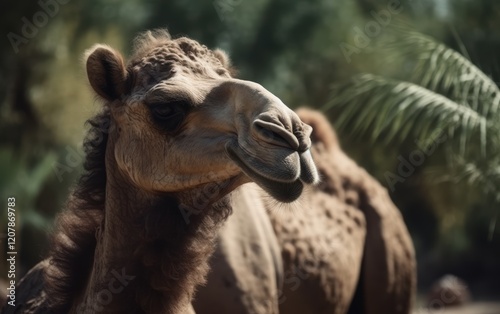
(285,192)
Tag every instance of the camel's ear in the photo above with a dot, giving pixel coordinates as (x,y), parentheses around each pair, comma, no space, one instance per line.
(226,61)
(106,72)
(223,58)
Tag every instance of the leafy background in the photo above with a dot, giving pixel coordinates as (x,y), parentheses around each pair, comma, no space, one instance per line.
(430,69)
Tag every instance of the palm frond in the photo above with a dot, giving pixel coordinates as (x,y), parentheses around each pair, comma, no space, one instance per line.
(391,111)
(445,71)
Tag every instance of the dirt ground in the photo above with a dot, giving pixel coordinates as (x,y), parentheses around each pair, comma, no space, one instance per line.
(473,308)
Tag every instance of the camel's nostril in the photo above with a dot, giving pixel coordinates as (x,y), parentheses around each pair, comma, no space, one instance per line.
(275,134)
(270,135)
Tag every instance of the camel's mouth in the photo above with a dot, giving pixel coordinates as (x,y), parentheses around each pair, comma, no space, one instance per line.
(283,191)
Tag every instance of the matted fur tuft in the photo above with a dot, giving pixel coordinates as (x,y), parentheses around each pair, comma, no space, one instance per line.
(148,40)
(158,48)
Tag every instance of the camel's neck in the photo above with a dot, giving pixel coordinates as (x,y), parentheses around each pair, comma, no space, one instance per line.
(152,251)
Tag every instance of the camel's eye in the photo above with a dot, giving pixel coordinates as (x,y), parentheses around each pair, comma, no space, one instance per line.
(163,112)
(169,116)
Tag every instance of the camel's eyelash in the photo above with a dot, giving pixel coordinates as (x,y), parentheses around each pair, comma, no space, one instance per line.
(169,116)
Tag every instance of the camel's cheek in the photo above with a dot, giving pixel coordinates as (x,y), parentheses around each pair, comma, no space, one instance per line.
(142,160)
(157,163)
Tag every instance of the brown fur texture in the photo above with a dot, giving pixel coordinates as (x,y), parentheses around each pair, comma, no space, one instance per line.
(158,58)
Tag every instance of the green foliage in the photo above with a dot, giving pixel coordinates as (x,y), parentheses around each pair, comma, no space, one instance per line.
(389,111)
(449,73)
(452,96)
(25,183)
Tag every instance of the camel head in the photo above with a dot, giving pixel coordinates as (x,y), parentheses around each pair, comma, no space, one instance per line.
(179,120)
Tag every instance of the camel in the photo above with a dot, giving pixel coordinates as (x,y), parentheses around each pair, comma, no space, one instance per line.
(176,136)
(346,250)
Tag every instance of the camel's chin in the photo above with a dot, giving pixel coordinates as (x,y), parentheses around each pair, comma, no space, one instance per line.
(281,191)
(285,192)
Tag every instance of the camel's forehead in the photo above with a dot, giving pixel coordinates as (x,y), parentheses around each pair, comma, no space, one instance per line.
(181,56)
